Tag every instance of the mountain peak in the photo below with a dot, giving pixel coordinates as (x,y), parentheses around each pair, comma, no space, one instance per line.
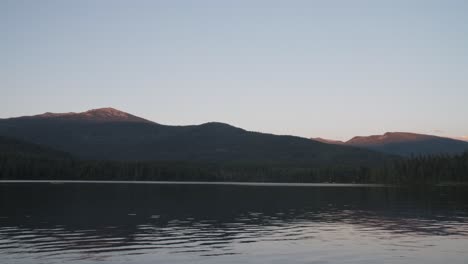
(104,109)
(107,112)
(98,114)
(405,144)
(388,137)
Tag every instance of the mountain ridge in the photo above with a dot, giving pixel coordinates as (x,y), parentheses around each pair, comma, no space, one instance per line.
(406,144)
(387,138)
(91,135)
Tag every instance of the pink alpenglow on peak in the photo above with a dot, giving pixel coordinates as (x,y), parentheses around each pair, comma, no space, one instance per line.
(100,114)
(406,144)
(386,138)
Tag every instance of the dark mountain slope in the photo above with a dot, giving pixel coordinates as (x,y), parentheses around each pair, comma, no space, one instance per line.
(115,135)
(15,147)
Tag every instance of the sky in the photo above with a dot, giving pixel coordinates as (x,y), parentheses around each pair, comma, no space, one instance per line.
(332,69)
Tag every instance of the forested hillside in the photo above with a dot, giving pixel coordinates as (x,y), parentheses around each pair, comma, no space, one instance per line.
(21,160)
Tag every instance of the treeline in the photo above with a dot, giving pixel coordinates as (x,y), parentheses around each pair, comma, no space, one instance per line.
(433,169)
(25,161)
(24,167)
(416,170)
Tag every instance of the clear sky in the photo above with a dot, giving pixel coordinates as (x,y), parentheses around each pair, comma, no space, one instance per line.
(327,68)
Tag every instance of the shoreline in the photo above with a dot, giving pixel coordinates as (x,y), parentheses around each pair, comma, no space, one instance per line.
(272,184)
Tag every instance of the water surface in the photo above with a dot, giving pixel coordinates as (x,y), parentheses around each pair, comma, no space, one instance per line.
(197,223)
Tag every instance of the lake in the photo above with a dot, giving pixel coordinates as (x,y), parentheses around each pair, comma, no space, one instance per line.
(215,223)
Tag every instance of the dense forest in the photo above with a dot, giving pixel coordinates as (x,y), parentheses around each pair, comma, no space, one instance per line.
(25,161)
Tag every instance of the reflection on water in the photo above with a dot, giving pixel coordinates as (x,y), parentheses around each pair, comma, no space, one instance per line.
(104,223)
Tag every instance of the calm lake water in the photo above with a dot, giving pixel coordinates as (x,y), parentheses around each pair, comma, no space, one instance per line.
(179,223)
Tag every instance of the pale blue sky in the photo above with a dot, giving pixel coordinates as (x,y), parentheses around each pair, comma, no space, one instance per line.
(333,69)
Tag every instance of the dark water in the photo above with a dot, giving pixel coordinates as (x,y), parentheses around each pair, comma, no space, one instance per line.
(124,223)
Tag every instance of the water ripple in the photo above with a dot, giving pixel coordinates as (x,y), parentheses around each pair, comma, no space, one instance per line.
(308,229)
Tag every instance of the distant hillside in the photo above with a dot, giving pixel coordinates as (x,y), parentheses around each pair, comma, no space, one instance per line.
(15,147)
(406,144)
(114,135)
(21,160)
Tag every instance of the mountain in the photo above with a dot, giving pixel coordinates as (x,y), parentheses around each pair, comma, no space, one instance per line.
(111,134)
(107,114)
(406,144)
